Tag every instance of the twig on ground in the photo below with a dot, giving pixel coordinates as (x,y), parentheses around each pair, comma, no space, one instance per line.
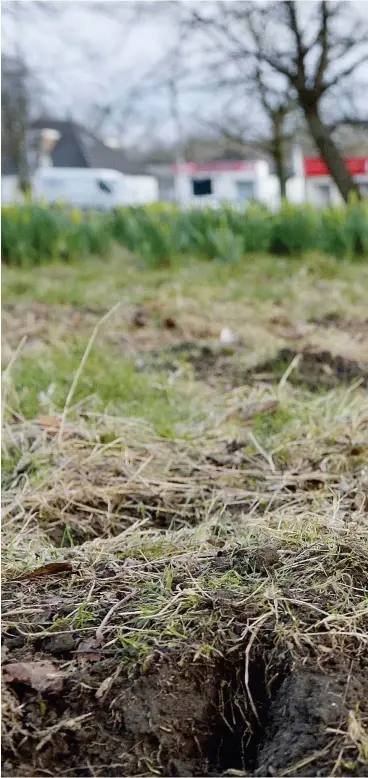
(99,630)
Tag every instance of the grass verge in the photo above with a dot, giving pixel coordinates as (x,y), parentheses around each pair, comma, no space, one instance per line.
(185,542)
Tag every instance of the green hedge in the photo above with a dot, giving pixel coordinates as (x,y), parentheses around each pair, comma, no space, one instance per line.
(157,234)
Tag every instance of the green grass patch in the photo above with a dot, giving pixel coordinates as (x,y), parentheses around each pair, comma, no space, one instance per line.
(113,384)
(257,279)
(267,425)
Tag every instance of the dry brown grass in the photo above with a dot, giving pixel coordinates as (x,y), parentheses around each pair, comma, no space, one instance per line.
(191,585)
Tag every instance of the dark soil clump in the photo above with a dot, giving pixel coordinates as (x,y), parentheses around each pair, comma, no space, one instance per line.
(214,364)
(249,659)
(205,360)
(315,370)
(307,704)
(356,327)
(202,720)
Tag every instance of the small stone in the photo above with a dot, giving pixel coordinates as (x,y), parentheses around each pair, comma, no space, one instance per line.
(60,644)
(227,337)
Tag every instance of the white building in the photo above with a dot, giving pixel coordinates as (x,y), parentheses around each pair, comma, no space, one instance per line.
(320,189)
(241,181)
(10,191)
(232,181)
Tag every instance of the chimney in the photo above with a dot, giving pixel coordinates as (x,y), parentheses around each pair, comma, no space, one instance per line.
(112,143)
(49,138)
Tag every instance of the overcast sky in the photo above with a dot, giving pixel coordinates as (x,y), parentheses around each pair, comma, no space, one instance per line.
(87,57)
(91,55)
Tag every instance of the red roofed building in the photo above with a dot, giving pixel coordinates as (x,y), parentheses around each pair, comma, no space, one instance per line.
(321,190)
(237,181)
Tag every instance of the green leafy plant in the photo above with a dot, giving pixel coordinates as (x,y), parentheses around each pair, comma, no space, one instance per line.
(159,234)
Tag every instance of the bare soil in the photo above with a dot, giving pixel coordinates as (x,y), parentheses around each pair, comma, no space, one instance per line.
(183,721)
(266,704)
(357,327)
(316,370)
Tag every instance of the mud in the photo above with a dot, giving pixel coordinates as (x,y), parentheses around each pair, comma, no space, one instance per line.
(171,720)
(356,327)
(316,370)
(204,359)
(307,704)
(216,365)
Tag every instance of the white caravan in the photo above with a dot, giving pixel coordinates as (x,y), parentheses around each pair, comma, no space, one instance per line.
(92,188)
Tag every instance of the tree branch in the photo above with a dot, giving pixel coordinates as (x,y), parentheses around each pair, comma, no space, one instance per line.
(344,73)
(323,41)
(300,46)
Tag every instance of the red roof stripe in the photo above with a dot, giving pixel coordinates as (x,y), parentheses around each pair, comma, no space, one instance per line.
(314,166)
(218,166)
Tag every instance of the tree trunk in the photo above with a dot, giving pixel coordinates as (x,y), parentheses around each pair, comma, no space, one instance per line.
(23,175)
(281,175)
(278,154)
(331,156)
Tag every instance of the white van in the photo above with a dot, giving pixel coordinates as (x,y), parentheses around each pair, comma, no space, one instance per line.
(92,188)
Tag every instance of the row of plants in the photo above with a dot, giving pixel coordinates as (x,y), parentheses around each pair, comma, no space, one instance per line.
(157,234)
(33,234)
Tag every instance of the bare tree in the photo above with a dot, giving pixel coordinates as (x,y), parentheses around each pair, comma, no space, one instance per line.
(306,50)
(21,87)
(83,84)
(15,117)
(278,108)
(276,138)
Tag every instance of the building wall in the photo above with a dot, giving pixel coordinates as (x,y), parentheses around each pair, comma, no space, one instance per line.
(166,189)
(319,186)
(321,190)
(240,186)
(255,181)
(142,189)
(10,192)
(296,190)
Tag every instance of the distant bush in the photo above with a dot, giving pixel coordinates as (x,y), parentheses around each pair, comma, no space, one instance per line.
(159,233)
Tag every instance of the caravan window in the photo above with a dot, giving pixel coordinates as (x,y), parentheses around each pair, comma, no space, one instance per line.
(105,186)
(201,186)
(245,190)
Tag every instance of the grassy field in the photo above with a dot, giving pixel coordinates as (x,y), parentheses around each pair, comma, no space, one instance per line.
(185,519)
